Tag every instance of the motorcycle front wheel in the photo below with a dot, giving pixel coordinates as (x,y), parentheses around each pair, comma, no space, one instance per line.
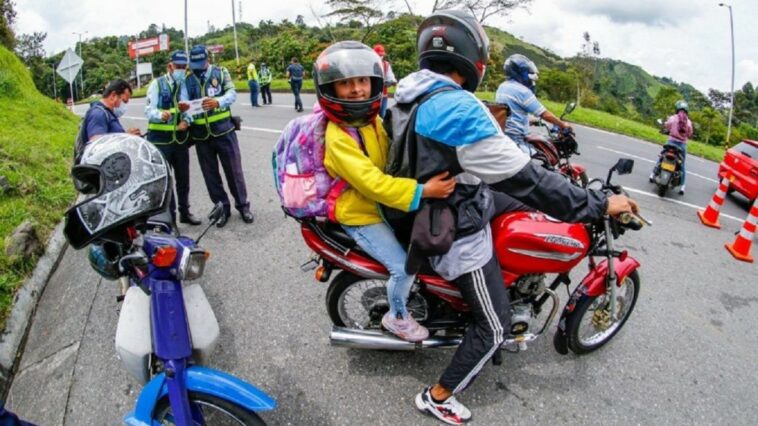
(357,302)
(590,325)
(214,411)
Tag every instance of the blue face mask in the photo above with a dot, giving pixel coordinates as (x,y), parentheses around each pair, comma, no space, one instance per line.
(179,75)
(121,109)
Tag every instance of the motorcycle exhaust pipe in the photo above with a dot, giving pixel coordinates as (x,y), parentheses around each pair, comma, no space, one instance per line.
(372,339)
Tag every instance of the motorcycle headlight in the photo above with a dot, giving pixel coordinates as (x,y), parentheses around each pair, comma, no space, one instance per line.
(192,265)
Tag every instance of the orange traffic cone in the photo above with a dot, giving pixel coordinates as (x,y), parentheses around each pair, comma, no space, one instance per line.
(741,247)
(710,217)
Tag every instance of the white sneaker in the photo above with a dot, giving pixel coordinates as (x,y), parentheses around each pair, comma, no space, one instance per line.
(681,190)
(449,411)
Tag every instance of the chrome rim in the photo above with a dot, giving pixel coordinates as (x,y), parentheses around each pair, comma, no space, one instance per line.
(596,325)
(211,413)
(363,304)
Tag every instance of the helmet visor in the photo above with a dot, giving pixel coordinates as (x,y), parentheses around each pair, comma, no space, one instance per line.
(350,59)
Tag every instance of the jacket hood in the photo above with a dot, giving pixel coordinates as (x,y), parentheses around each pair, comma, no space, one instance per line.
(419,83)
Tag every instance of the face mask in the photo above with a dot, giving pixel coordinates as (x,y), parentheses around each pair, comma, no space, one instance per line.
(121,109)
(179,75)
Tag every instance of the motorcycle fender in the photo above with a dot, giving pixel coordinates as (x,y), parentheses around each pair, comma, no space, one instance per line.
(200,379)
(664,178)
(133,336)
(593,284)
(577,170)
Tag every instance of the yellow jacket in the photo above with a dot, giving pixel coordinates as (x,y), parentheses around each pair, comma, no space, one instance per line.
(345,159)
(252,73)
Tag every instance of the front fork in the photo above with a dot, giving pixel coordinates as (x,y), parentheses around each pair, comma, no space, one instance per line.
(611,279)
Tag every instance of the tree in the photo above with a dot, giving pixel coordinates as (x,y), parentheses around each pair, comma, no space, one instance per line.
(7,18)
(719,100)
(664,102)
(367,12)
(482,9)
(585,65)
(29,47)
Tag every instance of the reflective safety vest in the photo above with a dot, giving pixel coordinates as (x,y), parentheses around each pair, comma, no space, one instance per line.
(168,100)
(216,122)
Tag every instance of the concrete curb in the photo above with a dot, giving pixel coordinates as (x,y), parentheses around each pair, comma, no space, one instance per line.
(25,304)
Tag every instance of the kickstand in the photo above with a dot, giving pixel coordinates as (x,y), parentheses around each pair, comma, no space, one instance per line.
(497,358)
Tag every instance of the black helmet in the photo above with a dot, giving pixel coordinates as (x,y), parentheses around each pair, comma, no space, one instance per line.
(347,59)
(454,37)
(103,258)
(124,177)
(520,68)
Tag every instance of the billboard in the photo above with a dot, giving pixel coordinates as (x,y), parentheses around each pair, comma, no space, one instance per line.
(147,46)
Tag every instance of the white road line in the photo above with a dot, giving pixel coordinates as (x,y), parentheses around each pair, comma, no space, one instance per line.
(272,105)
(651,161)
(255,129)
(693,206)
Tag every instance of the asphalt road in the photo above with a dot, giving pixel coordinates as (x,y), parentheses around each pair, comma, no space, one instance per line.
(686,356)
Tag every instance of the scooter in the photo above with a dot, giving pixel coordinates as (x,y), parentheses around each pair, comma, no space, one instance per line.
(669,174)
(167,331)
(528,246)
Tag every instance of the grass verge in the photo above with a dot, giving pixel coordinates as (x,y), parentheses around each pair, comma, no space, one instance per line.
(36,144)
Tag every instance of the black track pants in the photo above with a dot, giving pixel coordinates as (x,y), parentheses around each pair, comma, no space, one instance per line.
(485,293)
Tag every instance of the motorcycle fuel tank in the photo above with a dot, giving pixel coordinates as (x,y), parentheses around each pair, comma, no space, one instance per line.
(527,243)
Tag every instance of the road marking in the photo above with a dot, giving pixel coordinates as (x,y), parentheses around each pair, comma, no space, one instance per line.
(271,105)
(693,206)
(651,161)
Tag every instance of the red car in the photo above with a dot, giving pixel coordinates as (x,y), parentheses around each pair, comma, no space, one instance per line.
(742,162)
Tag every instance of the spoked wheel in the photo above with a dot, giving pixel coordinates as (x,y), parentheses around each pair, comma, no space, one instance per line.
(214,411)
(590,325)
(357,302)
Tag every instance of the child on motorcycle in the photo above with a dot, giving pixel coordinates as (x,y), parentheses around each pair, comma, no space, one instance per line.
(679,129)
(349,82)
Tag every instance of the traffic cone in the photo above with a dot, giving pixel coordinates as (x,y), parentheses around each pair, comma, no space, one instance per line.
(710,217)
(741,247)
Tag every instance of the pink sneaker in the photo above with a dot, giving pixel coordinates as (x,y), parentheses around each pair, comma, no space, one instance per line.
(407,329)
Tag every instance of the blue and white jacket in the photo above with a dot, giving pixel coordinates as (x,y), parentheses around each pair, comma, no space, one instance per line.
(455,132)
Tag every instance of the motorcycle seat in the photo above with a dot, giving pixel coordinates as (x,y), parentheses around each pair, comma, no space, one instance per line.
(336,232)
(162,220)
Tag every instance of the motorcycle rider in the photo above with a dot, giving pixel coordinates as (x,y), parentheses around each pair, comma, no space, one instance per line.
(517,92)
(679,129)
(456,133)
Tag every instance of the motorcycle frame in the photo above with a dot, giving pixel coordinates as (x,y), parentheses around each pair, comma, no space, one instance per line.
(172,346)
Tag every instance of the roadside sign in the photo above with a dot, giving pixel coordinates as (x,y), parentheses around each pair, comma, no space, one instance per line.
(216,48)
(69,66)
(148,46)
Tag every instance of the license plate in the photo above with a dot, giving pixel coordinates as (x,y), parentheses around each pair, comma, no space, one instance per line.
(668,166)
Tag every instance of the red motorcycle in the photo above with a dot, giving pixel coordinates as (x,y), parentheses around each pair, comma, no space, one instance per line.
(528,246)
(556,149)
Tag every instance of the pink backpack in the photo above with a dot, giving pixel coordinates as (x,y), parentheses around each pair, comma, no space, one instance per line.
(304,186)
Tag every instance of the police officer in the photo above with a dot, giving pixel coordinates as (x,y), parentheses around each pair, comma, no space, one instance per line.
(167,128)
(213,132)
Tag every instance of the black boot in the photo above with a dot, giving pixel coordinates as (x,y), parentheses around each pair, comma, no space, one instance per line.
(189,218)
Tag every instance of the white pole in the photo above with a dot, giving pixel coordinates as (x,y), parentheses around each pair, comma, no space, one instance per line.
(55,90)
(731,103)
(136,71)
(186,35)
(71,92)
(234,26)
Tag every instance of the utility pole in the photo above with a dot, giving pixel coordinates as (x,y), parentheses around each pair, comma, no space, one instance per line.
(731,102)
(55,90)
(81,77)
(186,35)
(234,26)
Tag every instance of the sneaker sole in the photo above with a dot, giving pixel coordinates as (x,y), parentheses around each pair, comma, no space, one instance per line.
(426,410)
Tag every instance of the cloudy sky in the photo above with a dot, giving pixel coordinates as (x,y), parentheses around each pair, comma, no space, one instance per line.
(687,40)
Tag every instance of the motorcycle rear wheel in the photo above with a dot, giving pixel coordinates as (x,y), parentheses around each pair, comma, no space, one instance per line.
(662,190)
(357,302)
(588,328)
(216,411)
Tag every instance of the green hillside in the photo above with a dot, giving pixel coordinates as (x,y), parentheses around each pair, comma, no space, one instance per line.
(35,155)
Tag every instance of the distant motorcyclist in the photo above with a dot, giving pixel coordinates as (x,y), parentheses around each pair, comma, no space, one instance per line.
(679,129)
(517,92)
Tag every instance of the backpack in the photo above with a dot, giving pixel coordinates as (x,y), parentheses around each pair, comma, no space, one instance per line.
(305,188)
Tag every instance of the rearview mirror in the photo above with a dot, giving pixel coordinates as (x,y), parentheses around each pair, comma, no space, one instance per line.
(624,166)
(569,108)
(216,213)
(659,122)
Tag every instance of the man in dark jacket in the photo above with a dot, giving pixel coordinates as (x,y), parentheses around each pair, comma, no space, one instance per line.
(456,133)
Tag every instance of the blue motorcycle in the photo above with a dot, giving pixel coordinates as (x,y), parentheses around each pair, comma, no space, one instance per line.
(166,329)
